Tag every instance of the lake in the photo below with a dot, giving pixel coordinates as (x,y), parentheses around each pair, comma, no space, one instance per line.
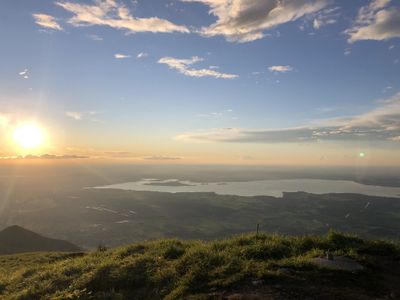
(258,187)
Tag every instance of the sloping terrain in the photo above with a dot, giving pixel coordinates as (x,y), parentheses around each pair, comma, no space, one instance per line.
(15,239)
(243,267)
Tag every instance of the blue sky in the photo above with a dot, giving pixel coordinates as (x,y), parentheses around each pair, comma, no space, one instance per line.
(191,79)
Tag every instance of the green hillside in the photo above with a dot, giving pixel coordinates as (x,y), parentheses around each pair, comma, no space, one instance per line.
(278,267)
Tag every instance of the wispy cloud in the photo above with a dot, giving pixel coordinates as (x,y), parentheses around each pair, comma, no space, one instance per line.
(142,55)
(280,69)
(326,17)
(215,114)
(162,157)
(375,21)
(387,89)
(121,56)
(380,124)
(79,116)
(119,154)
(44,157)
(95,37)
(47,21)
(245,21)
(114,14)
(183,66)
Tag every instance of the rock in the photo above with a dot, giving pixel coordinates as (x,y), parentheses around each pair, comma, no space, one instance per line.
(338,263)
(285,271)
(257,282)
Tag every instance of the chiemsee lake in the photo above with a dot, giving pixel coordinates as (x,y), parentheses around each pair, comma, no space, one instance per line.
(258,187)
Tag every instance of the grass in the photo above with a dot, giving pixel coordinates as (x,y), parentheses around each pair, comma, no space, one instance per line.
(174,269)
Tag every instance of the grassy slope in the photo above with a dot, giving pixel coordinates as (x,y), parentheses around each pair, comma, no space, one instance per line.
(174,269)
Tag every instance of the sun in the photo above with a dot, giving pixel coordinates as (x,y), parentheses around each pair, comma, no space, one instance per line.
(28,136)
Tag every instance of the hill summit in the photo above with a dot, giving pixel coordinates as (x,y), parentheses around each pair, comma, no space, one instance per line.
(243,267)
(16,239)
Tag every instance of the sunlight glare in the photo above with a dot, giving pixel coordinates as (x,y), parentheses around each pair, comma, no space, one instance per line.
(28,136)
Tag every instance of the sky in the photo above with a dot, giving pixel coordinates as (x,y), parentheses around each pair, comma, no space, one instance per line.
(275,82)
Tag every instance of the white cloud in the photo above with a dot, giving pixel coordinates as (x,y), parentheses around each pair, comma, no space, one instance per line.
(247,20)
(215,114)
(326,17)
(387,89)
(375,21)
(121,56)
(318,23)
(74,115)
(162,157)
(280,69)
(183,66)
(24,74)
(380,124)
(116,15)
(79,116)
(142,55)
(47,21)
(94,37)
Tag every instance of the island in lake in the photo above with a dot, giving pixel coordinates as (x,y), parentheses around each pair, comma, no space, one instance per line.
(168,183)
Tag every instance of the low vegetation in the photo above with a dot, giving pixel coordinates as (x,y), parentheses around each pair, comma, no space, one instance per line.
(261,265)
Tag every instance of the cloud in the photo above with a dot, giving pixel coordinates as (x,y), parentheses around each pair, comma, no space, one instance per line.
(326,17)
(162,157)
(24,74)
(121,56)
(74,115)
(375,21)
(183,67)
(280,69)
(119,154)
(116,15)
(79,116)
(387,89)
(247,20)
(215,114)
(318,23)
(46,156)
(380,124)
(94,37)
(47,21)
(142,55)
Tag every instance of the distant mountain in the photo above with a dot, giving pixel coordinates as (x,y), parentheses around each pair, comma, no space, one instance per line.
(15,239)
